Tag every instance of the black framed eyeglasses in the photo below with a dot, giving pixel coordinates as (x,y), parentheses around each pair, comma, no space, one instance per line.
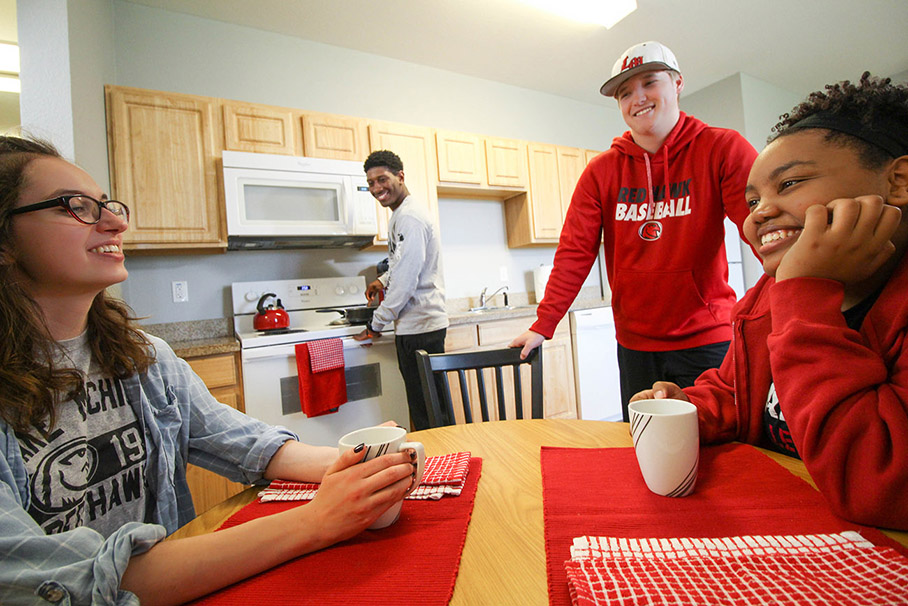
(84,209)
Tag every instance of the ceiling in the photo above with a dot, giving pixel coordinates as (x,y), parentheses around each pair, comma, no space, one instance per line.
(797,45)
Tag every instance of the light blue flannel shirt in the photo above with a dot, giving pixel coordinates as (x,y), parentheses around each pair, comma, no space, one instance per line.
(182,423)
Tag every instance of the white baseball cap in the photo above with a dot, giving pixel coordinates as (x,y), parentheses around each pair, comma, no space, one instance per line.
(642,57)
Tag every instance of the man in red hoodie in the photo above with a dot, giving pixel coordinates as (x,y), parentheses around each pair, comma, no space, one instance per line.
(657,199)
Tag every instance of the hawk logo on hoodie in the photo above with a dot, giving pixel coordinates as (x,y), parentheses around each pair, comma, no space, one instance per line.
(649,231)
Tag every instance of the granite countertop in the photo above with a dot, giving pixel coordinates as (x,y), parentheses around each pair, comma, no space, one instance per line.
(211,337)
(197,338)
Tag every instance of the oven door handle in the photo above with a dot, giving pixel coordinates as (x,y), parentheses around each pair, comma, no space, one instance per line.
(277,351)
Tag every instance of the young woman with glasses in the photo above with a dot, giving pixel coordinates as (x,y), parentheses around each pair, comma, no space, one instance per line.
(98,421)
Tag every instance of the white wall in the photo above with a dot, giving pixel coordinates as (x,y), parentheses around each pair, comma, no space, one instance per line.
(45,103)
(160,50)
(763,106)
(751,107)
(167,51)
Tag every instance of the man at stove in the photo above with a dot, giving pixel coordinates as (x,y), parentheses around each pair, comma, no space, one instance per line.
(413,286)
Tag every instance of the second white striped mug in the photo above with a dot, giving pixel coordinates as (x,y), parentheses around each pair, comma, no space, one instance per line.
(667,444)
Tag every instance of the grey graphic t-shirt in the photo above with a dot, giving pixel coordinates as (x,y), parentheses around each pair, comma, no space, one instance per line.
(88,470)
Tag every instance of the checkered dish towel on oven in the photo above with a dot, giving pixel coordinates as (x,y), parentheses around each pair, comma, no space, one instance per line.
(807,569)
(444,475)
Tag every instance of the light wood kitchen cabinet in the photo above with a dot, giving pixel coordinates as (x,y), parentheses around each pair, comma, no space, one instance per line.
(545,192)
(222,375)
(473,166)
(336,137)
(558,364)
(416,147)
(536,218)
(259,128)
(163,151)
(461,158)
(589,154)
(559,399)
(506,163)
(571,162)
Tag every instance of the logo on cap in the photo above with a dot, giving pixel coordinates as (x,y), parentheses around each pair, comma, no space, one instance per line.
(630,62)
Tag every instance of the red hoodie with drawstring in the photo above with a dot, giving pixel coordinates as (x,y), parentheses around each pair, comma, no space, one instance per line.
(660,218)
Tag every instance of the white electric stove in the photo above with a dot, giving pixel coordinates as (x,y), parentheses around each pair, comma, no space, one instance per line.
(375,389)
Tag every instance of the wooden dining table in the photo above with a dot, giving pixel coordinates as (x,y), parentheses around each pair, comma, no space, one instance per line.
(503,560)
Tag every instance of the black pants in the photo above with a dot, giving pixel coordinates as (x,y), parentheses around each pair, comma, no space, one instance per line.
(640,369)
(407,346)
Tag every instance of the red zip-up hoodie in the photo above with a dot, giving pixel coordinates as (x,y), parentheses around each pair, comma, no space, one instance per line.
(660,218)
(843,392)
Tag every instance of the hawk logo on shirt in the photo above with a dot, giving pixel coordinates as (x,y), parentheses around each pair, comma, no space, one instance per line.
(650,231)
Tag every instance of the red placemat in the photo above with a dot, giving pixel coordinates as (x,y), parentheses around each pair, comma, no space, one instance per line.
(414,561)
(740,491)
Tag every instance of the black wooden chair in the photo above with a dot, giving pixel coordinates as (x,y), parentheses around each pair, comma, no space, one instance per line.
(436,386)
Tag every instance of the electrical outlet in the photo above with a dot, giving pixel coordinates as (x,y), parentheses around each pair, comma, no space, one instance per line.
(180,291)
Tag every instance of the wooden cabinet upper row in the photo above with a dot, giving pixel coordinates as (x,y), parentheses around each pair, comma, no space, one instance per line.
(165,151)
(470,164)
(536,180)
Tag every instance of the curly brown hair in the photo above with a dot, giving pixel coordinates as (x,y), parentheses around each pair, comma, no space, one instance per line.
(867,102)
(31,384)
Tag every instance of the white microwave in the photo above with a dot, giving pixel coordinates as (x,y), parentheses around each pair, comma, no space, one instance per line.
(275,201)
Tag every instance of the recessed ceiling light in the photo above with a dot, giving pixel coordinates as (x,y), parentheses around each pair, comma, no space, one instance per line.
(600,12)
(9,58)
(9,84)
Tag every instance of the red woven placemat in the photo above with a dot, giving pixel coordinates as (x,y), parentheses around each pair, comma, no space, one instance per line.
(740,491)
(415,561)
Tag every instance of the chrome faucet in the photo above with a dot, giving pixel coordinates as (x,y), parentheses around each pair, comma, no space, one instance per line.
(483,300)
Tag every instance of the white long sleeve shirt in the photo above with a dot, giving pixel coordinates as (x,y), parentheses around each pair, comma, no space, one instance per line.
(415,292)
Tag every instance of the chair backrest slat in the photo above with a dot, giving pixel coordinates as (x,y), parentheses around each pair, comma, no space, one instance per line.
(464,396)
(518,392)
(499,392)
(433,369)
(446,400)
(483,397)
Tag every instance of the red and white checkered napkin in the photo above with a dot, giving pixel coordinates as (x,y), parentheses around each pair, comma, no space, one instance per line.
(444,475)
(326,354)
(806,569)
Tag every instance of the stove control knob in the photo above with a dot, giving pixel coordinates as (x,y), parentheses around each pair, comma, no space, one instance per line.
(352,289)
(252,296)
(339,290)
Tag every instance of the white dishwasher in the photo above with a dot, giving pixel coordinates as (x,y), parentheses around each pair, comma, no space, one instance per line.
(596,364)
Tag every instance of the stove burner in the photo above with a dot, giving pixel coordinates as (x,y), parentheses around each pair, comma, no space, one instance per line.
(278,331)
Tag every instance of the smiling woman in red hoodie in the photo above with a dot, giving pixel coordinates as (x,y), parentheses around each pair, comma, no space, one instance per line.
(819,364)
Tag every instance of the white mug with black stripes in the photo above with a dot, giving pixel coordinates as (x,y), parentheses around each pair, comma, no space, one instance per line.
(384,440)
(667,444)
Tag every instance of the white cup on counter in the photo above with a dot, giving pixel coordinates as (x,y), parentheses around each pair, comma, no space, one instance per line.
(383,440)
(667,444)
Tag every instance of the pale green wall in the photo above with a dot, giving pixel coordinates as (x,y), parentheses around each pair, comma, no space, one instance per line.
(131,45)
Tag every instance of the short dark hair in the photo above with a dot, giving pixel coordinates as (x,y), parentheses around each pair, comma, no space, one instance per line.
(385,158)
(869,102)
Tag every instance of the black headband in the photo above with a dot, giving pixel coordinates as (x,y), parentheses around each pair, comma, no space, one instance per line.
(886,134)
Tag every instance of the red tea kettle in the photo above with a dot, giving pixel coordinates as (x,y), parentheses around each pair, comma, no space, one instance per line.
(272,317)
